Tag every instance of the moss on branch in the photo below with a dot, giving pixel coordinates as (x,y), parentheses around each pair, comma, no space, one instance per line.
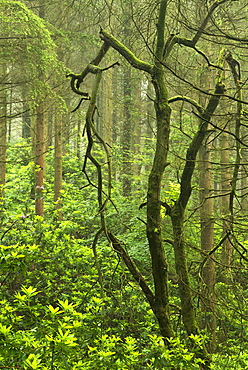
(125,52)
(188,100)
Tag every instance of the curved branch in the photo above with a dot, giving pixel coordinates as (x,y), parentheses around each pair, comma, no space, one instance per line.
(74,85)
(191,43)
(224,130)
(200,90)
(79,104)
(207,60)
(208,255)
(188,100)
(125,52)
(205,21)
(195,145)
(133,269)
(96,61)
(77,79)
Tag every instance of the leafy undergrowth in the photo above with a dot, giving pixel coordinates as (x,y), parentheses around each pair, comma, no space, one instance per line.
(55,316)
(57,312)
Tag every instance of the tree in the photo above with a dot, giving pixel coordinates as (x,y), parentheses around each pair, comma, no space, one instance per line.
(3,128)
(30,55)
(58,166)
(159,300)
(39,161)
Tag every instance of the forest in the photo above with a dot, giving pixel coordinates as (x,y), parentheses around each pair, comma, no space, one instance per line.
(123,184)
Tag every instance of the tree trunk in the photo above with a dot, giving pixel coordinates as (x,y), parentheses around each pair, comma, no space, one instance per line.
(226,254)
(137,127)
(79,139)
(58,166)
(107,115)
(244,173)
(127,133)
(207,244)
(207,273)
(177,218)
(3,130)
(39,140)
(39,161)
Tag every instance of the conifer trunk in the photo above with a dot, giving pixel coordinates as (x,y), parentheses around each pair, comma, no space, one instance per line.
(39,161)
(58,167)
(207,244)
(3,131)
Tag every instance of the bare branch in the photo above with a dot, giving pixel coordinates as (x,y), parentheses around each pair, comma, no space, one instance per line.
(205,21)
(133,269)
(188,100)
(125,52)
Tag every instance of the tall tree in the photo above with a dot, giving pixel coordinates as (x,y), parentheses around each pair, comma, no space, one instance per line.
(39,161)
(3,126)
(40,137)
(207,243)
(207,228)
(126,137)
(58,166)
(32,53)
(157,69)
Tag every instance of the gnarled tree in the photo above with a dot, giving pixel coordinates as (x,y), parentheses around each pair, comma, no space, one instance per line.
(157,71)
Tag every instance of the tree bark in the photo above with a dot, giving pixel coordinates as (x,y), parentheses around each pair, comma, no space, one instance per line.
(39,161)
(3,130)
(154,229)
(207,273)
(207,244)
(177,218)
(58,167)
(126,137)
(226,252)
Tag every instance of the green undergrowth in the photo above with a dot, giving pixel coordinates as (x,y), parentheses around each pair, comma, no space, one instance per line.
(57,312)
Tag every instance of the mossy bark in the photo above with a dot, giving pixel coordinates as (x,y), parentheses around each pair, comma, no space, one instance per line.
(159,262)
(177,219)
(154,232)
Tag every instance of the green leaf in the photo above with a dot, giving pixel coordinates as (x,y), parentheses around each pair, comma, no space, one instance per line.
(54,311)
(30,291)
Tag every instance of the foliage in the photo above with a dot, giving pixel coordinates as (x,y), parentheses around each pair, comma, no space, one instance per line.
(52,312)
(29,48)
(64,305)
(21,25)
